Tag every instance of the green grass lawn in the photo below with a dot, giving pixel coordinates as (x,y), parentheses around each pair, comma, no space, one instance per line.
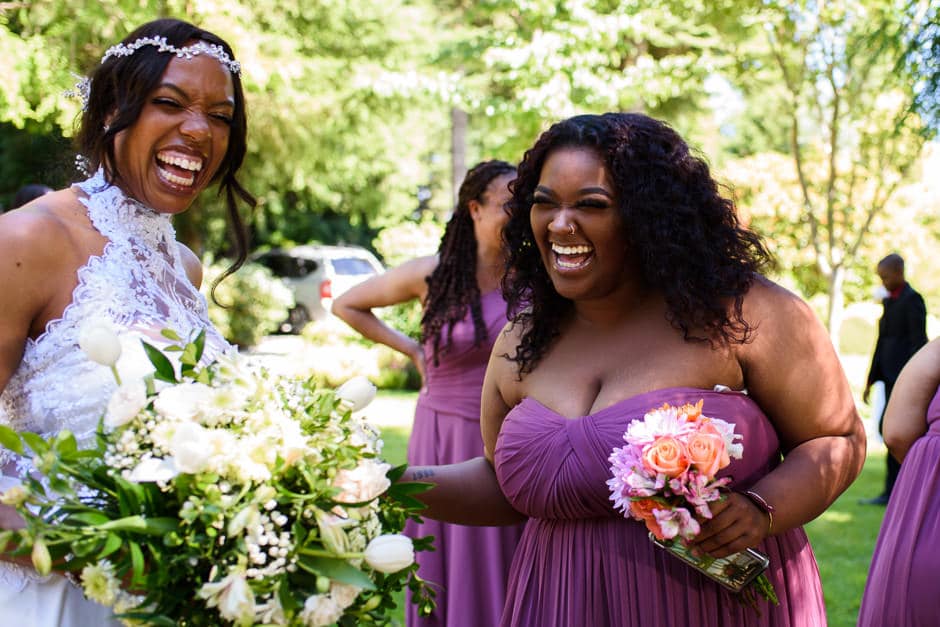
(843,538)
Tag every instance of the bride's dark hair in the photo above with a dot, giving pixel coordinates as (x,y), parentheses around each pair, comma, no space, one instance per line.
(121,85)
(686,236)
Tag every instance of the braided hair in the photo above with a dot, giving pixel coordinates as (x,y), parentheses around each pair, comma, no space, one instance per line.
(671,209)
(452,287)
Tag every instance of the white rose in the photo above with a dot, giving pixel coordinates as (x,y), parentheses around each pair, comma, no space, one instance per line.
(344,594)
(153,469)
(390,553)
(190,448)
(100,342)
(320,610)
(125,403)
(181,402)
(232,595)
(364,483)
(357,393)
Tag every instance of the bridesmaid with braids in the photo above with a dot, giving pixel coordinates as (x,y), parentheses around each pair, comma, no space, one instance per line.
(463,313)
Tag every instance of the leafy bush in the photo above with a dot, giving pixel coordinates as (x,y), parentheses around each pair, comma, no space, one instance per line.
(251,303)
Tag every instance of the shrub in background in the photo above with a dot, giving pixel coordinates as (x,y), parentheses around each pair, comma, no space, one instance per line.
(252,302)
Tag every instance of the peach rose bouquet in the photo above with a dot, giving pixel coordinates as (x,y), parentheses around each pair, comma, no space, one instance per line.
(666,476)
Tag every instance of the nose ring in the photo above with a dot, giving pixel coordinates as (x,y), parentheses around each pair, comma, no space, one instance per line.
(571,229)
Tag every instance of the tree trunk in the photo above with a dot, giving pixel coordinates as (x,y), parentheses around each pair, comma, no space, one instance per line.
(836,304)
(458,148)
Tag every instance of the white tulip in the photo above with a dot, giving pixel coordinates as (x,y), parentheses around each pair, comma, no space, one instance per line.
(153,469)
(390,553)
(232,595)
(357,392)
(125,403)
(100,342)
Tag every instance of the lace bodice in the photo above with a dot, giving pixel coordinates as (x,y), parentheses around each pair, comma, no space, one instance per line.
(139,284)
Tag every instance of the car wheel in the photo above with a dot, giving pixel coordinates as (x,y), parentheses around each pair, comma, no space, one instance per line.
(297,319)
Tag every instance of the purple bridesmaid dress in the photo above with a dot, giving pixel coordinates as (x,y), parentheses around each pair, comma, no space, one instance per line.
(469,567)
(582,563)
(903,585)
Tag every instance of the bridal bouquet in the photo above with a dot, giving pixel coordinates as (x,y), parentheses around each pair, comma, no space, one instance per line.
(221,494)
(666,475)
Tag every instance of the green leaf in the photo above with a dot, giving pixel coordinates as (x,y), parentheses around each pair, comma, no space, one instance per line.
(137,563)
(35,442)
(200,344)
(170,334)
(337,569)
(112,544)
(11,440)
(65,444)
(164,369)
(90,518)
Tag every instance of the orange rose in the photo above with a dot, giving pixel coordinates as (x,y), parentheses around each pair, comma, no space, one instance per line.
(707,453)
(643,508)
(666,455)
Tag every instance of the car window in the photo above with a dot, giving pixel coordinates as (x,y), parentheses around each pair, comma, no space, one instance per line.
(285,266)
(352,265)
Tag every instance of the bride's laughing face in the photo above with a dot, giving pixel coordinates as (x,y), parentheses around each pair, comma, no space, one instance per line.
(173,150)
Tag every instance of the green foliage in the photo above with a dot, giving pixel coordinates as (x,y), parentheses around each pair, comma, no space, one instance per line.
(251,303)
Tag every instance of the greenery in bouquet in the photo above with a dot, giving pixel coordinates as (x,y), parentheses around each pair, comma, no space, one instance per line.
(221,494)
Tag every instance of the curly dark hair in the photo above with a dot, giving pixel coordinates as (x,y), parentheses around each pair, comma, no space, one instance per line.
(120,87)
(671,209)
(452,287)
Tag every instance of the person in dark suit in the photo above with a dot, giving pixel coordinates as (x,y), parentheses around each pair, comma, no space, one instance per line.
(902,330)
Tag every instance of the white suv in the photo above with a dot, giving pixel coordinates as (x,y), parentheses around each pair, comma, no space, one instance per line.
(316,274)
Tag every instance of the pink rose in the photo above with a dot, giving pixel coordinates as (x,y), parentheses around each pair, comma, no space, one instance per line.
(707,452)
(666,455)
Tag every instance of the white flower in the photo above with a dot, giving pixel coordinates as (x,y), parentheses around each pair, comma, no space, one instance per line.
(248,517)
(320,610)
(357,392)
(133,364)
(232,595)
(190,448)
(364,483)
(390,553)
(271,612)
(125,403)
(100,584)
(331,531)
(344,594)
(14,496)
(153,469)
(182,402)
(100,342)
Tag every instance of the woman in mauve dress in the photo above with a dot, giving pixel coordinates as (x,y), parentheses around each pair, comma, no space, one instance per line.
(904,579)
(463,313)
(631,284)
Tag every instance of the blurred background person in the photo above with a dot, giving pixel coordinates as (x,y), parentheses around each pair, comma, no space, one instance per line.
(463,313)
(902,331)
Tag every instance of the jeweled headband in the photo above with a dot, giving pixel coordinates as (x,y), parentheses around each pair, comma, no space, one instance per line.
(188,52)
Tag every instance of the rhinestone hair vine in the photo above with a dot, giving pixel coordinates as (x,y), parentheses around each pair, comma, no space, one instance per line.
(188,52)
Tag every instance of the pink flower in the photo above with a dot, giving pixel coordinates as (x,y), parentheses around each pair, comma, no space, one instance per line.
(676,522)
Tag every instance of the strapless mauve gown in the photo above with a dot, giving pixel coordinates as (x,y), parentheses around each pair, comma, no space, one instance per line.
(904,580)
(470,565)
(580,562)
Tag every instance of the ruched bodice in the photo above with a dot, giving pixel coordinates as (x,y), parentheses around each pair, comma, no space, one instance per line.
(139,285)
(580,562)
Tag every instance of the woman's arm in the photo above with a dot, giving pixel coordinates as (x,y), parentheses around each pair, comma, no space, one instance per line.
(905,417)
(398,285)
(791,370)
(468,493)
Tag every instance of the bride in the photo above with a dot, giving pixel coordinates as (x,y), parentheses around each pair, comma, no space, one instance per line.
(164,118)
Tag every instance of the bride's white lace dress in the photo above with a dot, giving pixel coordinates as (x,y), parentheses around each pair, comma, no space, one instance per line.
(140,285)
